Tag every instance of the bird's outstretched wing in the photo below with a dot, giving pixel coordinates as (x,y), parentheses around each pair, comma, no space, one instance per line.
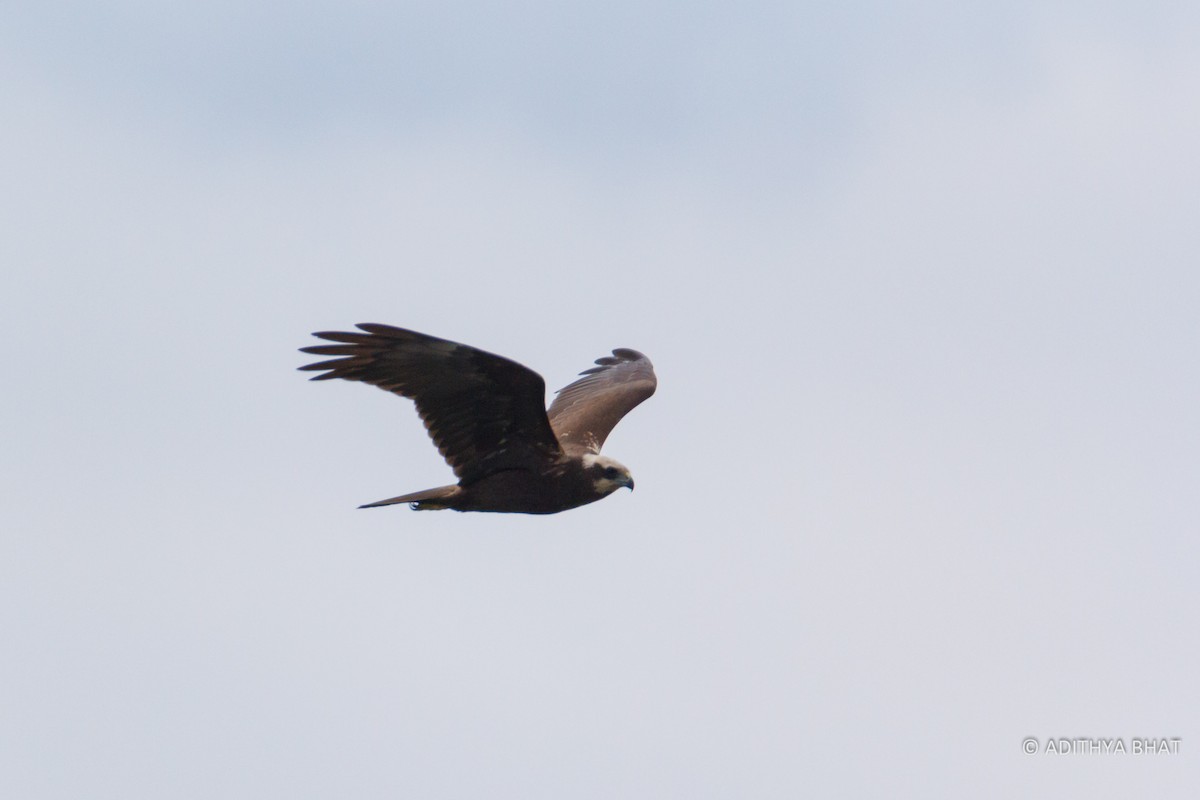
(586,411)
(485,413)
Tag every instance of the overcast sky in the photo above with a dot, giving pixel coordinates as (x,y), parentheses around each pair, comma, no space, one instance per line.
(921,285)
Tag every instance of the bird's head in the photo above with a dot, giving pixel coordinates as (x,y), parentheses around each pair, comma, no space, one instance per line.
(607,474)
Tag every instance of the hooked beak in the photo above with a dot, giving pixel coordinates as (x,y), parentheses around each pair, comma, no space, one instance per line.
(629,483)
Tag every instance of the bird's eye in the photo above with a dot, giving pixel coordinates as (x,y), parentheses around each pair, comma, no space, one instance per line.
(610,472)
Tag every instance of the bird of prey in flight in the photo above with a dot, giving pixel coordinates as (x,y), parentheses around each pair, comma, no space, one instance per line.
(488,418)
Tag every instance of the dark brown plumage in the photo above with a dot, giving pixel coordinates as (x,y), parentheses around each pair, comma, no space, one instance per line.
(487,416)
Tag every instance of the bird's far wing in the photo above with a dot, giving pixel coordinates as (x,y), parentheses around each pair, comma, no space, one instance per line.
(484,412)
(586,411)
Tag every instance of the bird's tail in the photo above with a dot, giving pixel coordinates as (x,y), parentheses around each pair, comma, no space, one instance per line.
(427,500)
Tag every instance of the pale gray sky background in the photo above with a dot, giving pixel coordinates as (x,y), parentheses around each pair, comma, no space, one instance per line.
(920,281)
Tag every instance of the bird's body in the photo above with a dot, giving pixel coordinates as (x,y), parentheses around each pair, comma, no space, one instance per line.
(487,416)
(565,483)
